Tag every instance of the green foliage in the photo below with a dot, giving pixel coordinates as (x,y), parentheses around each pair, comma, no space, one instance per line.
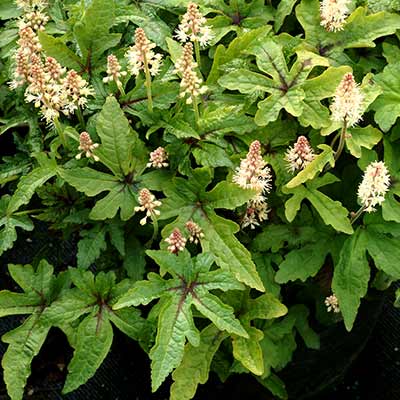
(221,297)
(284,85)
(122,153)
(55,47)
(29,183)
(50,301)
(196,362)
(188,199)
(93,298)
(92,31)
(40,289)
(361,29)
(350,281)
(94,339)
(190,285)
(332,212)
(387,106)
(9,223)
(304,262)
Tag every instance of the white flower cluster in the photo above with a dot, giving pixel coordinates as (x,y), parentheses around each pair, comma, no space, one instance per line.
(375,184)
(256,212)
(141,56)
(254,173)
(348,101)
(29,47)
(332,304)
(300,155)
(47,88)
(195,232)
(76,91)
(176,241)
(158,158)
(334,14)
(42,91)
(87,146)
(114,72)
(34,16)
(31,5)
(148,203)
(191,83)
(193,27)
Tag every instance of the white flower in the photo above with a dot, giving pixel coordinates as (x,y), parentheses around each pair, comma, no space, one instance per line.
(253,172)
(34,19)
(42,90)
(176,241)
(195,232)
(348,101)
(149,204)
(332,304)
(158,158)
(30,5)
(300,155)
(141,56)
(192,27)
(113,70)
(75,92)
(375,184)
(87,146)
(191,83)
(334,14)
(256,212)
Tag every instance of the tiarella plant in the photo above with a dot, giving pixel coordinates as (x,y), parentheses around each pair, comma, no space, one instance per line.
(229,169)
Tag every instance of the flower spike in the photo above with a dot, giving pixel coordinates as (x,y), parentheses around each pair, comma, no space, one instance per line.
(374,186)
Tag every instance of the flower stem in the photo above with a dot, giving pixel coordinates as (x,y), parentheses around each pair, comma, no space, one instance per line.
(80,118)
(60,132)
(148,86)
(121,88)
(356,215)
(335,139)
(197,51)
(196,109)
(342,140)
(27,212)
(155,233)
